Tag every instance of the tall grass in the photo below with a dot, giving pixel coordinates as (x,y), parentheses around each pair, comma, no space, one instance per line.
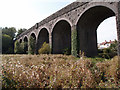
(58,71)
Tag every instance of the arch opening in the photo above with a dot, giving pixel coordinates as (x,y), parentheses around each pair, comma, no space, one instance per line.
(42,37)
(20,41)
(33,36)
(87,29)
(61,38)
(25,45)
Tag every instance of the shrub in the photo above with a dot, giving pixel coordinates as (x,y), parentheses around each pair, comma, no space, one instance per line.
(74,43)
(81,54)
(109,52)
(45,49)
(31,47)
(25,47)
(113,47)
(66,51)
(7,44)
(19,48)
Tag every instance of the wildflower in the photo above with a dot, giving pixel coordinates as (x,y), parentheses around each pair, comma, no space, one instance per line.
(35,66)
(21,65)
(54,80)
(37,76)
(18,62)
(33,73)
(16,65)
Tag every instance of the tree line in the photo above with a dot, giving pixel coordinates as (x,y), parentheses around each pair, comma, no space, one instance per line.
(9,35)
(11,46)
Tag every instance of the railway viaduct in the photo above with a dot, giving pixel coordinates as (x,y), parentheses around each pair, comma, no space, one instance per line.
(74,27)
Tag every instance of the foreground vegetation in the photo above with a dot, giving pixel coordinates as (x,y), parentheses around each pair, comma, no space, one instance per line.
(58,71)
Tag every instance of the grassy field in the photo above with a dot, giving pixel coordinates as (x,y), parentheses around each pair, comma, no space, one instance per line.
(59,71)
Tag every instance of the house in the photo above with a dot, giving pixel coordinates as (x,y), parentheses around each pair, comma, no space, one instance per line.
(105,44)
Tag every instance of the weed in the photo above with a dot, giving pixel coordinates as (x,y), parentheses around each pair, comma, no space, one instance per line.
(58,71)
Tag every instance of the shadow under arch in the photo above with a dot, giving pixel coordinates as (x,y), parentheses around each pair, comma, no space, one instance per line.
(61,37)
(33,35)
(20,40)
(43,36)
(25,45)
(87,26)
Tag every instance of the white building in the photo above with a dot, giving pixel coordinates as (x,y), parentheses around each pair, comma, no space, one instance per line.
(105,44)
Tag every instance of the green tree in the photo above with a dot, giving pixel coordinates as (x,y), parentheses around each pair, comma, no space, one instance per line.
(114,47)
(9,31)
(8,35)
(109,52)
(20,31)
(7,44)
(31,47)
(19,47)
(25,47)
(45,49)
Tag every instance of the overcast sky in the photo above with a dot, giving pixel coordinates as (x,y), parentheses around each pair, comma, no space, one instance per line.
(26,13)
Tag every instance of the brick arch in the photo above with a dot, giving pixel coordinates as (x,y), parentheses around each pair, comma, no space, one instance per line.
(33,34)
(112,8)
(61,37)
(25,37)
(43,36)
(40,28)
(65,19)
(87,25)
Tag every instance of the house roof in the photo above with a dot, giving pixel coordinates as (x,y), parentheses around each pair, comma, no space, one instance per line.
(106,42)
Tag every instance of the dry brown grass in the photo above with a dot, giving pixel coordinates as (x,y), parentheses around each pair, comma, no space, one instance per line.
(58,71)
